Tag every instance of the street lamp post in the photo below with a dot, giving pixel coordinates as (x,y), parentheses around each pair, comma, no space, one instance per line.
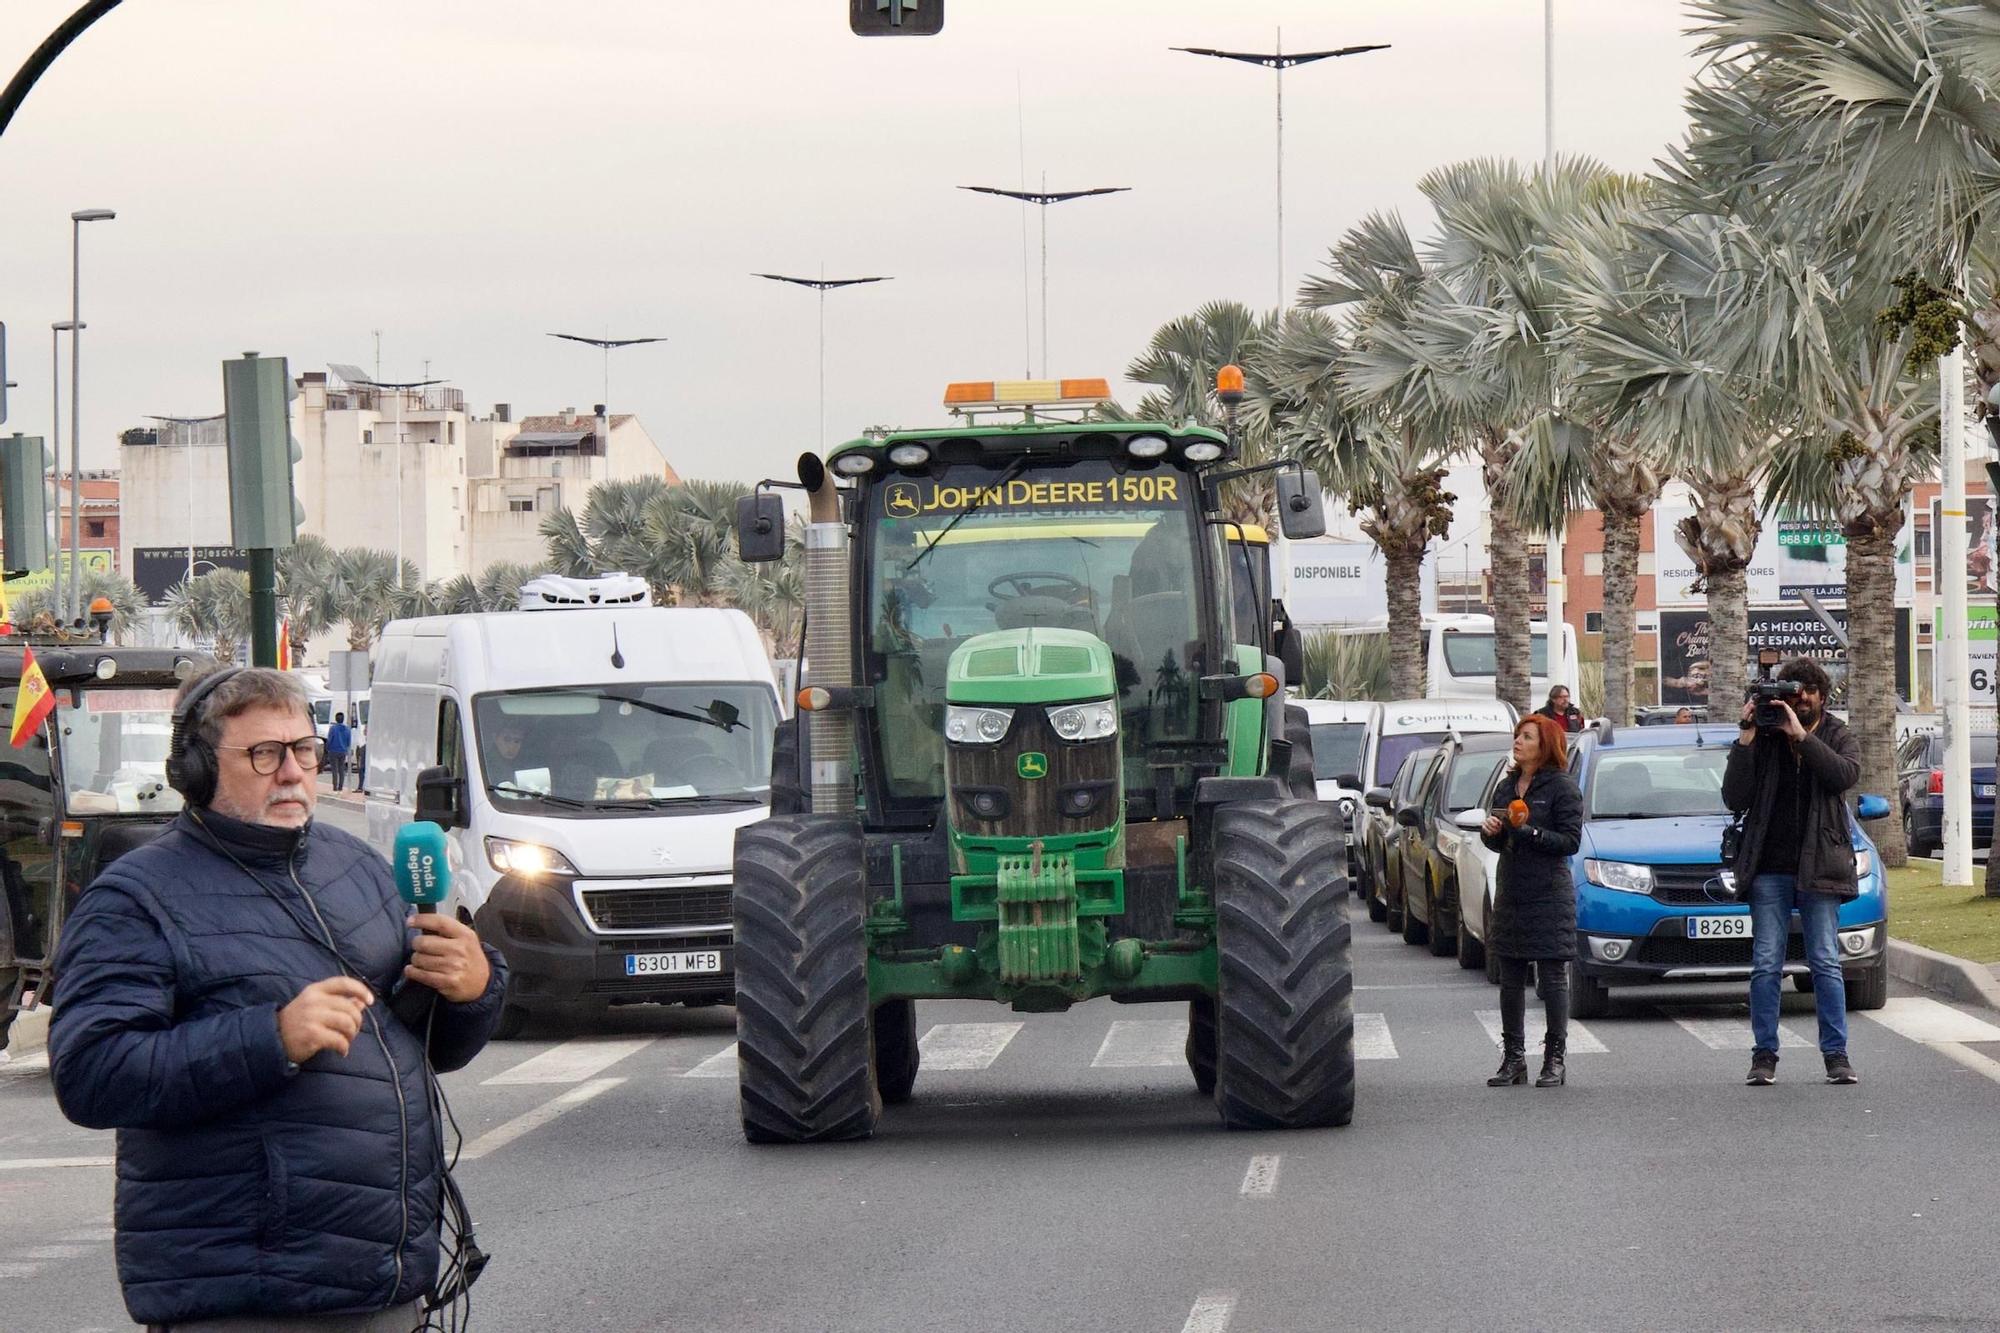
(399,390)
(822,284)
(56,331)
(1044,197)
(187,425)
(1278,62)
(76,221)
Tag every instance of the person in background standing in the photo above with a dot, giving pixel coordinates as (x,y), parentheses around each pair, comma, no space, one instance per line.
(1560,710)
(339,744)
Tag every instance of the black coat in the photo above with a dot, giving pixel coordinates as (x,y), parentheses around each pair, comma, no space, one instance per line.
(247,1185)
(1830,759)
(1534,900)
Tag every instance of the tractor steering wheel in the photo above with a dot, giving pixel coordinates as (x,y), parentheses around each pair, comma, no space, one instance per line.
(1052,584)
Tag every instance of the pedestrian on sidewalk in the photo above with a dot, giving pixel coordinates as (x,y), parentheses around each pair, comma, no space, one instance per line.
(1789,782)
(226,1008)
(1560,710)
(339,744)
(1535,825)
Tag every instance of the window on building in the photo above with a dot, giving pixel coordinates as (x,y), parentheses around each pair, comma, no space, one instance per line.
(94,527)
(1593,622)
(520,504)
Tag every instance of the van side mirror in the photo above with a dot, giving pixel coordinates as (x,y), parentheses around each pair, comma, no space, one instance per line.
(1872,806)
(1301,512)
(760,528)
(1407,816)
(1376,798)
(441,798)
(1351,781)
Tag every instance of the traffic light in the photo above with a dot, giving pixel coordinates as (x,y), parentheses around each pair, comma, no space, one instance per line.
(24,502)
(264,511)
(895,18)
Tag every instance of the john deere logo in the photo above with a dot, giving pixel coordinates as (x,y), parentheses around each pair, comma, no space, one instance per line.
(1034,764)
(904,500)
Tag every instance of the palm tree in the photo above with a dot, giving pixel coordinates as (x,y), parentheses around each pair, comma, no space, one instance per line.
(692,530)
(214,607)
(773,594)
(366,593)
(498,587)
(127,602)
(306,577)
(1348,666)
(1180,363)
(570,552)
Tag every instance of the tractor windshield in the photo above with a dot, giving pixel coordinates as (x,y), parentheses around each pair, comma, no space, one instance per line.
(1100,546)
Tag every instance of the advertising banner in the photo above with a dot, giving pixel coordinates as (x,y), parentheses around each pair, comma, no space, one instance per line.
(1342,583)
(1686,656)
(158,569)
(1793,556)
(1981,576)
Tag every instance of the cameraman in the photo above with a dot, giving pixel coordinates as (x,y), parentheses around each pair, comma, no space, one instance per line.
(1789,782)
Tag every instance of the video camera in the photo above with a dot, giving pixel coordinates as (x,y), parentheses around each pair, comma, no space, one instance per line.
(1767,692)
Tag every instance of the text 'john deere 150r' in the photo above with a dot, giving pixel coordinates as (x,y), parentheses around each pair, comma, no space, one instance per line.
(1040,762)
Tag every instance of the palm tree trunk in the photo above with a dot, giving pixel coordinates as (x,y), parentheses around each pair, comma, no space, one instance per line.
(1507,551)
(1871,669)
(1728,639)
(1621,588)
(1406,622)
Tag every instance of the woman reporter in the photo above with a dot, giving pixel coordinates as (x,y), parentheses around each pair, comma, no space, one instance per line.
(1535,825)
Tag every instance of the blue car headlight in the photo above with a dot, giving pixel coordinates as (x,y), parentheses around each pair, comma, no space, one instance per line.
(1624,876)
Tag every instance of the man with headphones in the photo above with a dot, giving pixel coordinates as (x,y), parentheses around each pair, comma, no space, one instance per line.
(227,1006)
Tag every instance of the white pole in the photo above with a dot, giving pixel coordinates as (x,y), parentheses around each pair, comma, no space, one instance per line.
(75,419)
(822,356)
(1553,559)
(189,445)
(1045,277)
(55,466)
(399,487)
(1280,52)
(1953,666)
(1027,314)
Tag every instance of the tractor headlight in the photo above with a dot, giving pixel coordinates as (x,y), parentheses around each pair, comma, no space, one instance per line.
(1085,722)
(910,455)
(1146,446)
(1202,451)
(853,465)
(976,726)
(1620,875)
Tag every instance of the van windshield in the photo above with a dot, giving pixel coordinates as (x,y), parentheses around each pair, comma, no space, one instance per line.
(1391,751)
(626,747)
(1337,748)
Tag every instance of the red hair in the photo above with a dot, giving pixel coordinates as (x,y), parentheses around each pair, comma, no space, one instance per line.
(1555,746)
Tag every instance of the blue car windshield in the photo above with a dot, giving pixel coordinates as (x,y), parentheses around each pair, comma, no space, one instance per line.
(1656,783)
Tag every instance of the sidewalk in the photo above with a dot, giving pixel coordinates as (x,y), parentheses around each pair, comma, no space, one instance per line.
(1954,978)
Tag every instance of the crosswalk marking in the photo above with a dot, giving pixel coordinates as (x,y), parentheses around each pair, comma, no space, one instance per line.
(36,1062)
(573,1061)
(501,1135)
(1930,1021)
(1141,1043)
(1582,1041)
(1211,1313)
(965,1045)
(51,1163)
(720,1065)
(1733,1034)
(1260,1181)
(1371,1038)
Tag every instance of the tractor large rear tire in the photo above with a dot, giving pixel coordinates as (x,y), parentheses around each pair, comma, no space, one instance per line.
(897,1054)
(1285,1011)
(806,1065)
(1201,1044)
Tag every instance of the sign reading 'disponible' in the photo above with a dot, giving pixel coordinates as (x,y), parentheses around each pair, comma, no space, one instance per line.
(1792,556)
(1342,583)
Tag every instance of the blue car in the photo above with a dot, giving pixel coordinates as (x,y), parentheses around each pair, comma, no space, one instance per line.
(1652,900)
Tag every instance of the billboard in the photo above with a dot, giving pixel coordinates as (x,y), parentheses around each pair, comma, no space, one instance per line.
(95,561)
(1793,556)
(157,569)
(1686,651)
(1981,575)
(1342,583)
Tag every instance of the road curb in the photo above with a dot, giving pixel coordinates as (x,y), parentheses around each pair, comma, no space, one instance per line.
(1968,983)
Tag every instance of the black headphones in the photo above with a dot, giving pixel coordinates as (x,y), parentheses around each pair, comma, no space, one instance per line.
(191,768)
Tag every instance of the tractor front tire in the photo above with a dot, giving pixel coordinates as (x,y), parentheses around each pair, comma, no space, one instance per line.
(1285,1009)
(805,1045)
(897,1055)
(1201,1044)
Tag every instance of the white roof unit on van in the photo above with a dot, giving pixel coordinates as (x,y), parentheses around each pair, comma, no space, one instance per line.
(1406,715)
(556,592)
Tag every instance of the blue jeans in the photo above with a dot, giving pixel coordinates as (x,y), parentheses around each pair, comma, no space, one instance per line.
(1773,898)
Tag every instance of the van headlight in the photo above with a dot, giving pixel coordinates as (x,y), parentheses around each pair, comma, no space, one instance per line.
(1085,722)
(976,726)
(530,860)
(1623,876)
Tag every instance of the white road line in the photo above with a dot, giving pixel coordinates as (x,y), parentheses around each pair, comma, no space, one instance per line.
(1930,1021)
(573,1061)
(19,1270)
(1261,1180)
(1211,1312)
(1983,1065)
(1582,1041)
(720,1065)
(1371,1038)
(49,1163)
(1141,1043)
(35,1062)
(501,1135)
(44,1253)
(1733,1034)
(965,1045)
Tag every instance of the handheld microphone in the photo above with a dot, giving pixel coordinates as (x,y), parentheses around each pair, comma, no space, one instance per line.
(1517,815)
(423,871)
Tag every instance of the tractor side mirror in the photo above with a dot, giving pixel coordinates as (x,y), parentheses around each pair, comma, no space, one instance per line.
(760,528)
(1301,512)
(440,798)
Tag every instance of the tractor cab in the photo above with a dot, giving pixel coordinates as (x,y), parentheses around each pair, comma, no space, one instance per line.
(83,789)
(1035,763)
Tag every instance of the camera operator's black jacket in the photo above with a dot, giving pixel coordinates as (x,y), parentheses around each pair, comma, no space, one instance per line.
(1830,758)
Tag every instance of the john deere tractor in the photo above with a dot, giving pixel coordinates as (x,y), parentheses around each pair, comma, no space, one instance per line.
(1038,762)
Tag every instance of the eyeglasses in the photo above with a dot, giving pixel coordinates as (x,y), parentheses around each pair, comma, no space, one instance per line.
(267,757)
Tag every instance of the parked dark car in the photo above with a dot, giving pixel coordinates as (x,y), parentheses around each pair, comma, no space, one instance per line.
(1920,769)
(1385,837)
(1455,782)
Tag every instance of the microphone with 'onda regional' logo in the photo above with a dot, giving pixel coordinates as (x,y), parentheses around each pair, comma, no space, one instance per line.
(423,871)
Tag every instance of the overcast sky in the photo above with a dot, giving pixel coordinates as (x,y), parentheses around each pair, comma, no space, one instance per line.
(464,175)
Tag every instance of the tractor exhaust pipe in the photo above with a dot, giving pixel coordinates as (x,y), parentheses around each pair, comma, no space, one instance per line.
(829,651)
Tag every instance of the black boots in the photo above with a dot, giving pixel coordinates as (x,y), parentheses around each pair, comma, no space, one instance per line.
(1552,1063)
(1513,1066)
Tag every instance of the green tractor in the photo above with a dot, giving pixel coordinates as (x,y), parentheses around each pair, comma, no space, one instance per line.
(1039,759)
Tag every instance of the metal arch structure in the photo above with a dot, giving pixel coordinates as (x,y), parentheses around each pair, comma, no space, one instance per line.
(71,28)
(822,285)
(1043,198)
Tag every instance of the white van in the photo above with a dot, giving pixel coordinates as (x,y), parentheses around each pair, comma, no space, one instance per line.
(596,764)
(1460,662)
(1409,726)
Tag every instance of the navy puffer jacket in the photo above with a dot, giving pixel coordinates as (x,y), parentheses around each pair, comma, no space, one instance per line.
(248,1186)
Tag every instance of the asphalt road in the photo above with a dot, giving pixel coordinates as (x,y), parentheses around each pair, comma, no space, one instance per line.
(1065,1176)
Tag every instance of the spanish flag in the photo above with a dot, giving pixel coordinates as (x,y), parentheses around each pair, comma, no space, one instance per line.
(33,702)
(284,645)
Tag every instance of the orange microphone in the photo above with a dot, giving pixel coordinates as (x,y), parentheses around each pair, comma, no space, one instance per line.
(1517,813)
